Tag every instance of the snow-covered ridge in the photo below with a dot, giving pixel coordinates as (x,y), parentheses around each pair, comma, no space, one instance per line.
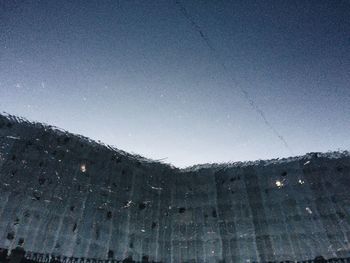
(61,132)
(306,157)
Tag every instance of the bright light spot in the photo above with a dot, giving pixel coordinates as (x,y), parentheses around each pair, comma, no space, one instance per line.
(301,181)
(143,231)
(83,168)
(307,163)
(308,210)
(279,184)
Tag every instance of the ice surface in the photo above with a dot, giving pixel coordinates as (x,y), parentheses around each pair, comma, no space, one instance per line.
(68,195)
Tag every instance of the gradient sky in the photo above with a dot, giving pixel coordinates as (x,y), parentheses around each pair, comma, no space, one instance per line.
(138,75)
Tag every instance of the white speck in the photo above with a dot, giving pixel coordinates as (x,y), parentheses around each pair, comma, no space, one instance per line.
(83,168)
(308,210)
(143,231)
(128,204)
(156,188)
(279,184)
(301,181)
(13,137)
(307,163)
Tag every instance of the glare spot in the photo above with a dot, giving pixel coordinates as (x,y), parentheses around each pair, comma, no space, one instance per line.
(279,183)
(307,163)
(301,181)
(83,168)
(308,210)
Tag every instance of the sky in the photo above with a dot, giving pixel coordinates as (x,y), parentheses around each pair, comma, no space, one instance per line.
(273,82)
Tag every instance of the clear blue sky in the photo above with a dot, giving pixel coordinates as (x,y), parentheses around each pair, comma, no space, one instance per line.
(138,75)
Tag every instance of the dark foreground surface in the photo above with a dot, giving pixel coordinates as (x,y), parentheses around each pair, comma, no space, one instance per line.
(18,255)
(62,194)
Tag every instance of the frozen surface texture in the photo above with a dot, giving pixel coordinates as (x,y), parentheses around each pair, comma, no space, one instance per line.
(67,195)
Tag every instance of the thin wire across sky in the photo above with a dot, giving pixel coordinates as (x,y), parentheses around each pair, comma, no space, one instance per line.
(245,94)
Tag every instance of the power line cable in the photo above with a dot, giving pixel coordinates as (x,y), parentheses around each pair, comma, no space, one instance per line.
(246,95)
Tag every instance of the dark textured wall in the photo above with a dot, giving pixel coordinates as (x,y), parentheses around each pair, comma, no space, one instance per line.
(67,195)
